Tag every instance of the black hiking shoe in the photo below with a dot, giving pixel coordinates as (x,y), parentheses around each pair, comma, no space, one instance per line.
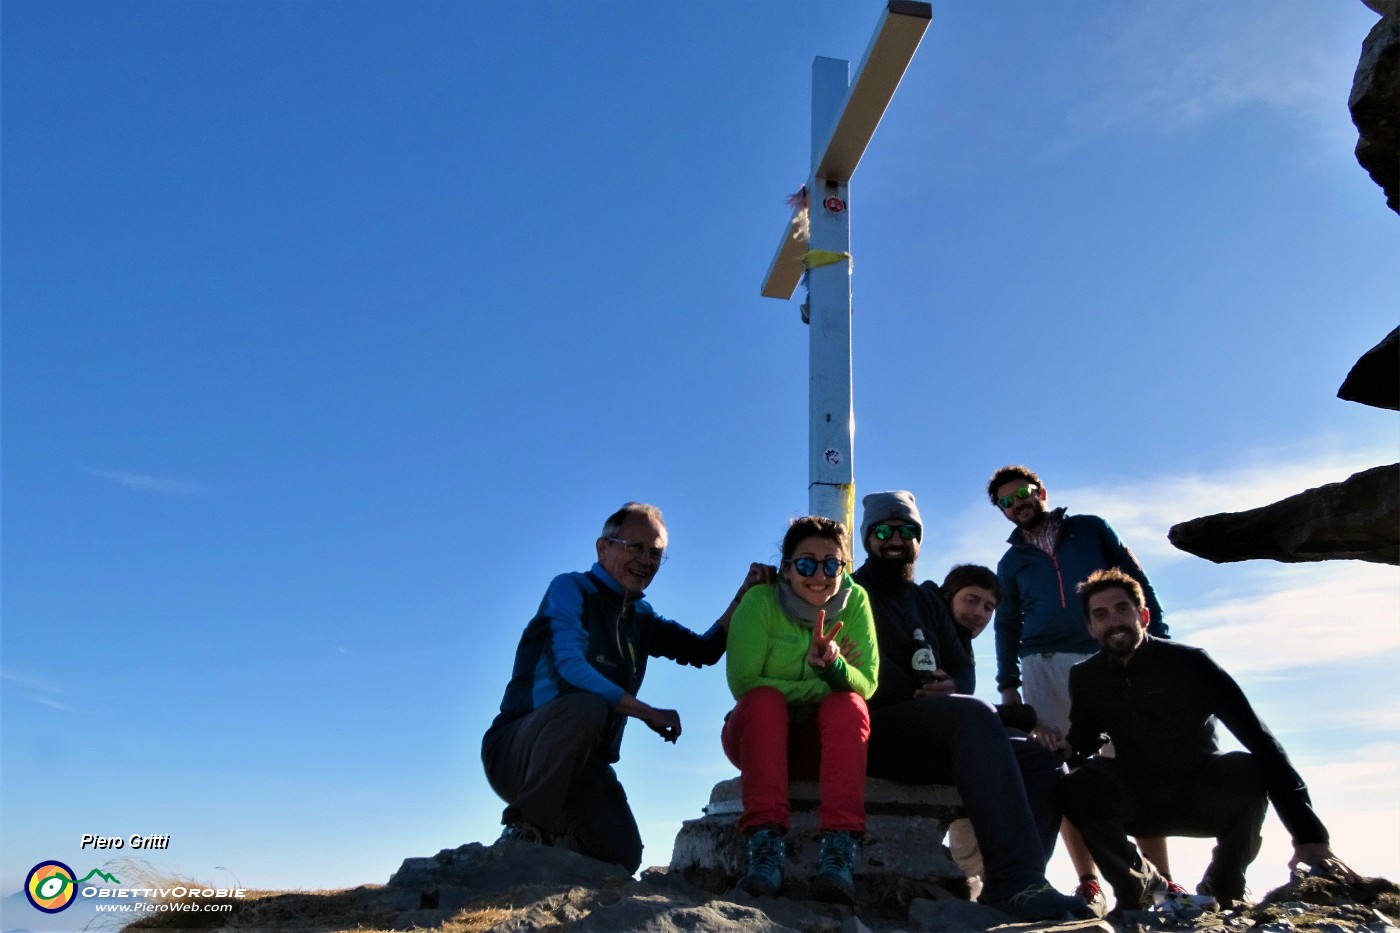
(1042,902)
(765,870)
(835,882)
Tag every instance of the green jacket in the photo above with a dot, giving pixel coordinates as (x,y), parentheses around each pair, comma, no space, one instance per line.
(767,649)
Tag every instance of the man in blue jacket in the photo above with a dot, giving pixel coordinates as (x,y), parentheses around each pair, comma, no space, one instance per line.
(1040,630)
(578,668)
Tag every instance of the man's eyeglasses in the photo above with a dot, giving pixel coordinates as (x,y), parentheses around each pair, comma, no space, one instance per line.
(1025,492)
(908,531)
(641,550)
(807,566)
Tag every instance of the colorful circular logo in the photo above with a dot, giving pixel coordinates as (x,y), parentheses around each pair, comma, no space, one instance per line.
(50,886)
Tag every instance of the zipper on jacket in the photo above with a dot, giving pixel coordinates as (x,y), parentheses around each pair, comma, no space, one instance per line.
(1055,562)
(624,646)
(1060,579)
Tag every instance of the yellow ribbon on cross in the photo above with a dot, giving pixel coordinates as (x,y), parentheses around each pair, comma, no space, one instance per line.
(822,257)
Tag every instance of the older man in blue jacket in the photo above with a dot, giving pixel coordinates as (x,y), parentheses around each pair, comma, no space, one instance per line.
(578,669)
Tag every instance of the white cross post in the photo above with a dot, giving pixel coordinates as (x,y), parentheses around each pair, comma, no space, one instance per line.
(843,120)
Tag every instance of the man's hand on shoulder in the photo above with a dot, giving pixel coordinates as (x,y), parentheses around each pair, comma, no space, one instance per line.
(1320,858)
(758,574)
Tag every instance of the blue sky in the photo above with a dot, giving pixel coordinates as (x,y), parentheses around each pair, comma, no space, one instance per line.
(333,331)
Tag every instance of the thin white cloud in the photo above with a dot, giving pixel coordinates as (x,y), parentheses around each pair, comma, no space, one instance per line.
(1378,719)
(1367,777)
(33,682)
(41,690)
(1172,66)
(1348,609)
(162,485)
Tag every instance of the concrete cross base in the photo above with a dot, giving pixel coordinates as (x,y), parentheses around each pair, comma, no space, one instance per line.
(902,855)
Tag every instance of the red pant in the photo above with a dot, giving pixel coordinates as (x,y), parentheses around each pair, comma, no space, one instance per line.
(764,744)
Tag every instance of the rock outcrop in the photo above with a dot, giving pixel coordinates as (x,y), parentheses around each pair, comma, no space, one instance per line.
(1375,102)
(901,858)
(1375,378)
(1359,518)
(521,888)
(516,887)
(1356,519)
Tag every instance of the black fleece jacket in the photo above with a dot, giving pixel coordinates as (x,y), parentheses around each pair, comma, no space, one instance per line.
(1160,711)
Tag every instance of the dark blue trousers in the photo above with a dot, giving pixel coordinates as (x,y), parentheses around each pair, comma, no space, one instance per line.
(959,740)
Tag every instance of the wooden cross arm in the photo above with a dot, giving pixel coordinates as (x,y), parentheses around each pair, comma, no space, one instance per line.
(901,29)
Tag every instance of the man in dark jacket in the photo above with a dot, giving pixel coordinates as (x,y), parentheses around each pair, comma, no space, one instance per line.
(972,593)
(924,730)
(1158,701)
(578,667)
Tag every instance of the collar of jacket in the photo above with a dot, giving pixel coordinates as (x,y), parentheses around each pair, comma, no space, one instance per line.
(1019,539)
(608,581)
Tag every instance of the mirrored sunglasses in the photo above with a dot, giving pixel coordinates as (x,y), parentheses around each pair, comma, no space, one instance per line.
(908,531)
(1025,492)
(806,566)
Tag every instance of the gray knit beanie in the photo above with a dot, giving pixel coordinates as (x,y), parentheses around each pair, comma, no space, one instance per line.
(883,506)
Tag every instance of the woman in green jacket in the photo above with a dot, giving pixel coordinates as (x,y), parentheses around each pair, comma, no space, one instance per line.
(801,700)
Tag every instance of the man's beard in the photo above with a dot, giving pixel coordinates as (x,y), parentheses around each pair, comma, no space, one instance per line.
(1121,647)
(889,571)
(1031,523)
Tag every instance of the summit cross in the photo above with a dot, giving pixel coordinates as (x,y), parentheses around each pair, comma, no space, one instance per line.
(844,117)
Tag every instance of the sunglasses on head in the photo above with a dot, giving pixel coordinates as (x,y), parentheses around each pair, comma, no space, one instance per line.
(807,566)
(908,531)
(1025,492)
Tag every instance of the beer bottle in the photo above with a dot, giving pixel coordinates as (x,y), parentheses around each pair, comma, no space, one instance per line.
(924,663)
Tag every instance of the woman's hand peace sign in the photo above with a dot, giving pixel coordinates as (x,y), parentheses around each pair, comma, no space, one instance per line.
(823,650)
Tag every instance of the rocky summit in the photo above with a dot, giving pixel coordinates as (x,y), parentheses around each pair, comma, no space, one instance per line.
(517,887)
(557,889)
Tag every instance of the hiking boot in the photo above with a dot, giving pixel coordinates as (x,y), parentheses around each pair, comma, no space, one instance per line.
(1178,903)
(834,882)
(765,872)
(1141,895)
(1092,894)
(1042,902)
(521,831)
(1224,899)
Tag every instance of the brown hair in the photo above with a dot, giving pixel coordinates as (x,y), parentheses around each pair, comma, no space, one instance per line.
(965,575)
(816,526)
(1005,475)
(1111,579)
